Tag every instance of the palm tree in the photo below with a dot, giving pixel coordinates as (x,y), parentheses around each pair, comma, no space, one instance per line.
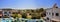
(15,14)
(24,15)
(38,15)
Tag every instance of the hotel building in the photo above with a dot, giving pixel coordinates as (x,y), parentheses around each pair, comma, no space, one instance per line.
(53,14)
(1,14)
(6,12)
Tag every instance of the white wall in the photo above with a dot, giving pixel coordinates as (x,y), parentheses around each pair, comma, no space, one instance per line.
(57,10)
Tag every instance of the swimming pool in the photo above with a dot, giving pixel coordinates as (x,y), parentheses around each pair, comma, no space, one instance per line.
(6,20)
(20,20)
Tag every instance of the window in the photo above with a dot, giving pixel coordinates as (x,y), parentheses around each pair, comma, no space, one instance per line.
(5,12)
(57,14)
(10,12)
(56,7)
(47,18)
(49,13)
(52,14)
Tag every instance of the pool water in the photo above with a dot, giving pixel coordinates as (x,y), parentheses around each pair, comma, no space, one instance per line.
(20,20)
(6,20)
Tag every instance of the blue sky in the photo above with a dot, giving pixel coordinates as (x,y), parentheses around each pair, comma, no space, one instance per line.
(27,4)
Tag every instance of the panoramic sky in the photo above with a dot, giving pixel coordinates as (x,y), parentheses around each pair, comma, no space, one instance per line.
(28,4)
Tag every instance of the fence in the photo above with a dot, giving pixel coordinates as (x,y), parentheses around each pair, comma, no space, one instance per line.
(20,20)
